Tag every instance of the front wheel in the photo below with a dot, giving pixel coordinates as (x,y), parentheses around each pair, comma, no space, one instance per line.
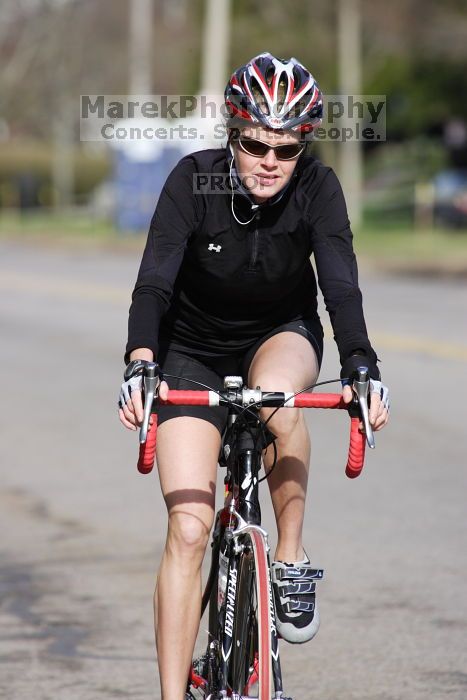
(250,670)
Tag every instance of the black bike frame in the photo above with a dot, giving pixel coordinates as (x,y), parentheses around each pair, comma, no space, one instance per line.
(242,458)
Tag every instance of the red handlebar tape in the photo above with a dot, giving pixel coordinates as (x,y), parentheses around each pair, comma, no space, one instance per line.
(319,401)
(147,451)
(181,397)
(356,456)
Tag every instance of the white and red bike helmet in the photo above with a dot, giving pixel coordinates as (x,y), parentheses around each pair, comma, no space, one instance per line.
(274,93)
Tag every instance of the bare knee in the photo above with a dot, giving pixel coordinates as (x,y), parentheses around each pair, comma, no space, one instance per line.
(188,535)
(286,420)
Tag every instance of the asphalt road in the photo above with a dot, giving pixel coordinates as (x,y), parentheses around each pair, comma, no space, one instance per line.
(81,531)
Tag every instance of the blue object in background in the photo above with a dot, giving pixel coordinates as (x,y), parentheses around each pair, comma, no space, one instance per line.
(141,165)
(450,206)
(138,184)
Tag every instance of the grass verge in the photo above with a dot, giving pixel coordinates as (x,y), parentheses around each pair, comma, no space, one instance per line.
(398,248)
(403,248)
(70,228)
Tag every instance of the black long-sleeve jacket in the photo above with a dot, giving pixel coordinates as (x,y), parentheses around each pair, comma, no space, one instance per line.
(208,283)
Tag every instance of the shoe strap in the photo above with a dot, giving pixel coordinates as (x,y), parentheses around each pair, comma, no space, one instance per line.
(297,573)
(298,606)
(287,589)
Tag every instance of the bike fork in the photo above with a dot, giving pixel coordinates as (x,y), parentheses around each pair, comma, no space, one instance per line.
(276,663)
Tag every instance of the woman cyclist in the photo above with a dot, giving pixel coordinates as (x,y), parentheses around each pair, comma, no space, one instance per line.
(226,287)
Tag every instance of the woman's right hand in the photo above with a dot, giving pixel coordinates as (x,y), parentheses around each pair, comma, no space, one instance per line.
(131,409)
(131,415)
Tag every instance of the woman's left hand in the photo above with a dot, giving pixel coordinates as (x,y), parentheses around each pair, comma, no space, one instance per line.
(379,403)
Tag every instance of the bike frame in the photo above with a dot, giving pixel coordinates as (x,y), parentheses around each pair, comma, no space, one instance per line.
(240,514)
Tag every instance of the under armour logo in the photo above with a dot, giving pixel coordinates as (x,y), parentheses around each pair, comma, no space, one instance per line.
(216,248)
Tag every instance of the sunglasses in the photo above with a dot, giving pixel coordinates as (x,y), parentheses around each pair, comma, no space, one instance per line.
(259,149)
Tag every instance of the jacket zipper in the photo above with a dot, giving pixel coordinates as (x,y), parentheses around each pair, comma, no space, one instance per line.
(254,247)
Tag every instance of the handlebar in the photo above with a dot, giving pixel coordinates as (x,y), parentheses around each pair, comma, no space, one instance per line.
(245,397)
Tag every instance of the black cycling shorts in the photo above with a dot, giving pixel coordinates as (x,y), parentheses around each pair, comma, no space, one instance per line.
(211,370)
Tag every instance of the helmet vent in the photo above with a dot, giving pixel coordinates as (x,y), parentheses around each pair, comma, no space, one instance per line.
(270,75)
(298,108)
(258,95)
(281,92)
(297,78)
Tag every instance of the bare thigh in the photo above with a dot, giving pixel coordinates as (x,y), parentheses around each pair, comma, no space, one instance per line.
(285,362)
(187,455)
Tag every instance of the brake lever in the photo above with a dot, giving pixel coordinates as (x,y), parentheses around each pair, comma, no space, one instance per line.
(151,383)
(361,388)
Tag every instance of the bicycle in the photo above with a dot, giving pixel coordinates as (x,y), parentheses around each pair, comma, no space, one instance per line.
(242,652)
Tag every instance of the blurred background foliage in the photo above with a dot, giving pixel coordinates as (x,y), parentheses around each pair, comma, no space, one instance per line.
(413,51)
